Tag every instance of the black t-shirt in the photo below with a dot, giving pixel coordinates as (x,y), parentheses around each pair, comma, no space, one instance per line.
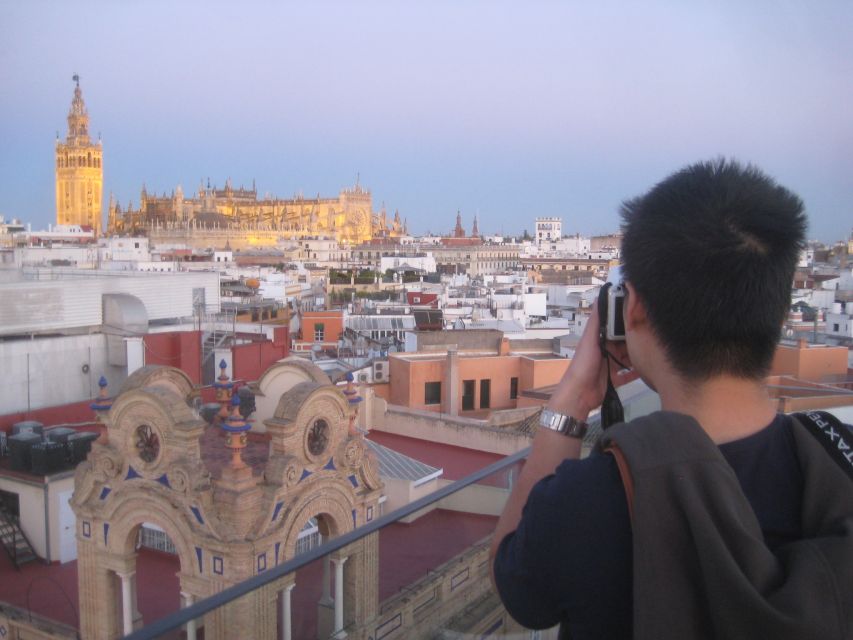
(570,559)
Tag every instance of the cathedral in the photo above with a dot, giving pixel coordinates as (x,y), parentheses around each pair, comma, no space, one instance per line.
(348,217)
(79,170)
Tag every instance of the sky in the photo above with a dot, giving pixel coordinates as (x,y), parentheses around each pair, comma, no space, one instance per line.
(504,110)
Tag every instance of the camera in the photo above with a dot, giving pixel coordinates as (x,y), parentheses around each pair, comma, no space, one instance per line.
(614,304)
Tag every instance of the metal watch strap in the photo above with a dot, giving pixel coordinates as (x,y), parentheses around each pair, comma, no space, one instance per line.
(561,423)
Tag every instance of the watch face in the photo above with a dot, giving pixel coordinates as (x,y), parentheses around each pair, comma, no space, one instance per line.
(147,443)
(318,437)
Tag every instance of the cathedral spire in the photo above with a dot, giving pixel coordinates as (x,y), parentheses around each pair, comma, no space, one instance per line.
(459,232)
(78,117)
(79,170)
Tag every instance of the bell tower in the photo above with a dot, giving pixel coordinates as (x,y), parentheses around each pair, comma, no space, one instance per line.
(79,171)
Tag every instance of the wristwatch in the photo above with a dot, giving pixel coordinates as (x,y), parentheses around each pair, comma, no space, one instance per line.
(567,425)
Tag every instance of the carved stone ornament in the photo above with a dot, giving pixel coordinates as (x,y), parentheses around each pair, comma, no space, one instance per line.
(284,470)
(317,437)
(354,453)
(147,443)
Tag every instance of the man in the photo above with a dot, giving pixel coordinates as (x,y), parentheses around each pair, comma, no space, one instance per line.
(708,261)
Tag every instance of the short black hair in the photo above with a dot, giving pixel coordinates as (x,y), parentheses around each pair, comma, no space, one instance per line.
(712,251)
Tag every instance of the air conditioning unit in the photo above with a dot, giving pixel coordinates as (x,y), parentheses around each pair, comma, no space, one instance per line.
(380,370)
(362,377)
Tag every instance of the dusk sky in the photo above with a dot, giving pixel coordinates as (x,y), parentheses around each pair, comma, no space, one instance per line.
(505,110)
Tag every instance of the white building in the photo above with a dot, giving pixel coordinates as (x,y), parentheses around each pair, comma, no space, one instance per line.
(61,329)
(548,230)
(323,252)
(121,248)
(423,262)
(839,321)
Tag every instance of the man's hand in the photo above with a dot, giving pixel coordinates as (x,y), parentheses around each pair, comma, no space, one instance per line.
(583,386)
(580,391)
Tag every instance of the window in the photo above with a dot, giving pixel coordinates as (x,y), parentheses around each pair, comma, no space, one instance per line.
(513,388)
(319,331)
(432,393)
(468,388)
(485,391)
(835,328)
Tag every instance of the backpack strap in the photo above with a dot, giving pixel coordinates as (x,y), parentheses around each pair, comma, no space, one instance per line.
(832,434)
(625,473)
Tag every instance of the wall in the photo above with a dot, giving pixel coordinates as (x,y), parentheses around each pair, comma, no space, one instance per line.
(59,299)
(442,597)
(180,349)
(401,492)
(476,498)
(43,535)
(546,372)
(74,413)
(497,369)
(31,510)
(409,374)
(22,624)
(809,362)
(817,402)
(456,431)
(45,372)
(251,360)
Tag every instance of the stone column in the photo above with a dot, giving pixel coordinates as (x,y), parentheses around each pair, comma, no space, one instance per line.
(137,615)
(190,626)
(339,596)
(99,616)
(126,602)
(286,615)
(326,606)
(361,582)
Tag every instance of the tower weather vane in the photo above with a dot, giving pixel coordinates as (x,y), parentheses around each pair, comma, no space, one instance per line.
(76,79)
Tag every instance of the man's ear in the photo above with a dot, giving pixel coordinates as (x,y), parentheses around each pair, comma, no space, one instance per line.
(635,310)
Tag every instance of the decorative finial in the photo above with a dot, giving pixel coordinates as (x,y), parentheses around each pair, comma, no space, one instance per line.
(223,386)
(235,428)
(103,402)
(101,405)
(353,399)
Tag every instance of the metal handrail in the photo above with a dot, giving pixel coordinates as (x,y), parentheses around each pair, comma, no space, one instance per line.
(179,618)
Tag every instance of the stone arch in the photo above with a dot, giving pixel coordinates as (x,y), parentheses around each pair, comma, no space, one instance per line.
(298,408)
(280,378)
(133,511)
(160,376)
(176,426)
(334,502)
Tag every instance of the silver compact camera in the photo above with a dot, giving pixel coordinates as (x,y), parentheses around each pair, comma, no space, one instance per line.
(615,304)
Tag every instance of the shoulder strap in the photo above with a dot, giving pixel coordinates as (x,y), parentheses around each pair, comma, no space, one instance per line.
(625,473)
(832,435)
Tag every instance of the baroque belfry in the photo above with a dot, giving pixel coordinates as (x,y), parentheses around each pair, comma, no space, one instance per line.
(79,170)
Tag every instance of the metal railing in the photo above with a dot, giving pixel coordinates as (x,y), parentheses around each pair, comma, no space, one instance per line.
(182,617)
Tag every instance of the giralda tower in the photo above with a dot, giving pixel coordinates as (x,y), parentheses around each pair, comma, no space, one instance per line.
(79,170)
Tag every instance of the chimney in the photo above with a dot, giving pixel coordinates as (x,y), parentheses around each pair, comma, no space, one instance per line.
(451,382)
(504,348)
